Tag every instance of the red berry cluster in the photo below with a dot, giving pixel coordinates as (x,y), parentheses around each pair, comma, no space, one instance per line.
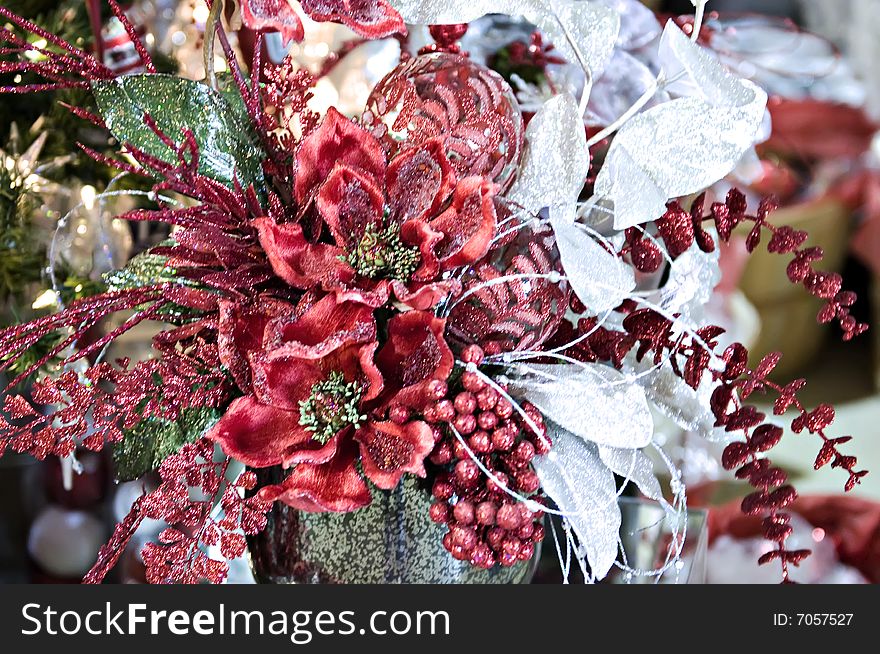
(486,525)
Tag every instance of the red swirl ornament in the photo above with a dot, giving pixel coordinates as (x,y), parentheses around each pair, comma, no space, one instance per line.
(442,94)
(516,298)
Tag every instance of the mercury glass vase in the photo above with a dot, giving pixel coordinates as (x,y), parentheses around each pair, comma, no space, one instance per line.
(393,540)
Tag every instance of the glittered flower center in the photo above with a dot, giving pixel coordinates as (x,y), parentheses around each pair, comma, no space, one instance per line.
(381,254)
(332,405)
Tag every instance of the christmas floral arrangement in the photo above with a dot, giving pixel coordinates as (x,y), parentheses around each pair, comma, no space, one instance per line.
(433,290)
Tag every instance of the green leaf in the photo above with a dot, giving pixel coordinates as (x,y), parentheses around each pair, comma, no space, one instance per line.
(148,269)
(143,269)
(226,145)
(145,446)
(229,90)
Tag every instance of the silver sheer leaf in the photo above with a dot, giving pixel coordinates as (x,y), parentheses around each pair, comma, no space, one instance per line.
(624,80)
(583,488)
(694,71)
(583,32)
(684,145)
(692,278)
(638,24)
(595,402)
(431,12)
(556,160)
(600,279)
(687,407)
(672,150)
(634,466)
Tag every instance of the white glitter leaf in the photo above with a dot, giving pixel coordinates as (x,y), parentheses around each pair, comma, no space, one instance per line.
(693,277)
(583,487)
(600,279)
(595,402)
(689,408)
(624,80)
(638,24)
(684,145)
(556,160)
(431,12)
(694,71)
(577,29)
(635,466)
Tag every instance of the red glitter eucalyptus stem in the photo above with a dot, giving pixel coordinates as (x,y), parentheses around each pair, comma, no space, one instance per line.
(690,356)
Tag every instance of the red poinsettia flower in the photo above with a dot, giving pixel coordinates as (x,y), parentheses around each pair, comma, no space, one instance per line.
(395,226)
(371,19)
(313,386)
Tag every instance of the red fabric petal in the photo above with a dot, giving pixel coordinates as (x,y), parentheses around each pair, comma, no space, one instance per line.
(414,354)
(337,140)
(273,16)
(283,383)
(418,181)
(332,486)
(259,435)
(389,450)
(424,296)
(240,331)
(299,263)
(370,375)
(326,326)
(368,292)
(468,225)
(348,202)
(328,336)
(419,234)
(372,19)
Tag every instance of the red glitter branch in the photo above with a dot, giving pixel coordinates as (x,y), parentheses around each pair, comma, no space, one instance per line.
(78,317)
(179,557)
(815,422)
(680,228)
(772,493)
(70,68)
(130,29)
(108,555)
(79,112)
(94,409)
(651,333)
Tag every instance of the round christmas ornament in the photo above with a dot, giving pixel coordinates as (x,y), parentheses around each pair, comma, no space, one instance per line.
(450,95)
(64,542)
(526,306)
(394,344)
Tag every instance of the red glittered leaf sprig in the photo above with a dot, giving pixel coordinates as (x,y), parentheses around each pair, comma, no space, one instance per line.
(680,228)
(814,421)
(689,355)
(93,408)
(193,486)
(736,382)
(179,556)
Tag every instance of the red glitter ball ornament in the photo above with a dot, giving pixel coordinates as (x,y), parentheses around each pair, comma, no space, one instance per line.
(524,309)
(443,94)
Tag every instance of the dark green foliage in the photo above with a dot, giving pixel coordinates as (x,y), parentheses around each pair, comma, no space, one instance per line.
(146,445)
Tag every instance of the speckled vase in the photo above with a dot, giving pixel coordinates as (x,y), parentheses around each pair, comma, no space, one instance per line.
(392,541)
